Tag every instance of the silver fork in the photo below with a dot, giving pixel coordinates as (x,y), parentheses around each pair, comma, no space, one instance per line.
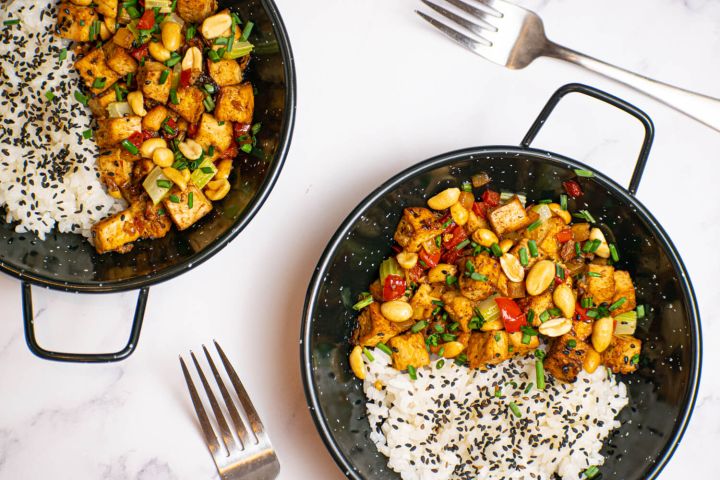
(251,455)
(512,36)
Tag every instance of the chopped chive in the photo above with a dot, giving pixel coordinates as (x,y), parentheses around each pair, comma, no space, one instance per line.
(592,313)
(221,123)
(578,252)
(418,326)
(440,363)
(595,245)
(211,151)
(640,311)
(466,187)
(81,98)
(213,55)
(461,359)
(515,410)
(220,41)
(163,77)
(128,145)
(368,354)
(532,245)
(384,348)
(190,205)
(173,198)
(619,303)
(554,311)
(583,173)
(14,21)
(534,225)
(160,212)
(129,78)
(496,250)
(529,387)
(173,97)
(530,316)
(585,215)
(209,88)
(247,148)
(571,343)
(118,93)
(99,82)
(209,104)
(614,252)
(594,274)
(63,54)
(526,339)
(478,277)
(164,184)
(50,96)
(559,271)
(586,302)
(635,359)
(462,244)
(524,257)
(190,33)
(168,129)
(412,372)
(539,373)
(87,134)
(364,302)
(449,337)
(591,471)
(439,328)
(206,170)
(133,12)
(563,201)
(546,200)
(173,60)
(498,393)
(453,326)
(544,316)
(247,30)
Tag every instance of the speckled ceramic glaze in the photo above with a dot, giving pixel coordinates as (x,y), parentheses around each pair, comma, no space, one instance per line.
(662,392)
(69,262)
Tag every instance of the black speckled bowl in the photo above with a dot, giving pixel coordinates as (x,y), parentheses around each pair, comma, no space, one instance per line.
(662,392)
(68,262)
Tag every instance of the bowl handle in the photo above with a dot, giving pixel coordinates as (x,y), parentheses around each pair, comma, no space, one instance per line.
(29,320)
(615,102)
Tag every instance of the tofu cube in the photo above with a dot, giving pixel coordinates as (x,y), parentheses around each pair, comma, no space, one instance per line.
(107,8)
(98,105)
(509,217)
(210,132)
(480,289)
(74,22)
(235,103)
(190,103)
(549,243)
(181,213)
(123,38)
(225,72)
(623,289)
(539,304)
(374,328)
(119,59)
(94,66)
(148,80)
(601,287)
(116,232)
(409,350)
(416,226)
(459,308)
(112,131)
(421,302)
(487,348)
(115,169)
(623,354)
(565,357)
(195,11)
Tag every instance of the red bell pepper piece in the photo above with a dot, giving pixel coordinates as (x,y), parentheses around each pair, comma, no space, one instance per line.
(564,235)
(136,139)
(491,198)
(185,77)
(147,20)
(572,188)
(430,259)
(140,52)
(480,209)
(511,315)
(394,287)
(457,235)
(451,256)
(581,314)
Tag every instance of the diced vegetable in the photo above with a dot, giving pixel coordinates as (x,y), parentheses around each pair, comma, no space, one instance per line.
(479,180)
(489,310)
(543,211)
(172,18)
(572,188)
(626,323)
(491,198)
(204,173)
(389,266)
(507,196)
(119,109)
(512,316)
(239,49)
(157,185)
(366,300)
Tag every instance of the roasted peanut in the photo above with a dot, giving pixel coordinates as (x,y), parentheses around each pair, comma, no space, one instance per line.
(215,25)
(163,157)
(440,272)
(564,299)
(452,349)
(190,149)
(604,249)
(407,260)
(176,177)
(192,59)
(484,237)
(396,311)
(171,37)
(459,214)
(137,103)
(104,32)
(602,333)
(154,119)
(512,267)
(158,52)
(224,167)
(555,327)
(540,277)
(110,24)
(356,363)
(591,361)
(557,210)
(150,145)
(222,187)
(506,245)
(445,199)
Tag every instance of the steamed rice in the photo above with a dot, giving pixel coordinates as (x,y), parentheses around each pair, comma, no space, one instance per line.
(449,423)
(48,176)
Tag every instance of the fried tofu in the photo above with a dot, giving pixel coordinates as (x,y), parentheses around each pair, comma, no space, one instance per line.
(148,80)
(422,302)
(409,350)
(538,304)
(190,103)
(581,231)
(235,103)
(210,132)
(565,357)
(116,232)
(488,348)
(507,288)
(623,289)
(459,308)
(523,243)
(416,226)
(92,67)
(549,243)
(475,223)
(107,8)
(374,328)
(601,285)
(582,330)
(623,354)
(480,289)
(123,38)
(115,168)
(112,131)
(182,214)
(225,72)
(195,11)
(74,22)
(98,105)
(509,217)
(155,117)
(119,59)
(153,223)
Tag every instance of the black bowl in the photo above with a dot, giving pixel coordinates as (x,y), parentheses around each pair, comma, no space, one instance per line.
(68,262)
(662,392)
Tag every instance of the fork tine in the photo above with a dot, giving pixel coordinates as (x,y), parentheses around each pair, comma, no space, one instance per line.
(462,21)
(476,12)
(467,42)
(219,416)
(239,425)
(210,437)
(245,402)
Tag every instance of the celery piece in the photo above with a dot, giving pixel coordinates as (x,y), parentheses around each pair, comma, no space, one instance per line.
(118,109)
(199,177)
(507,196)
(163,5)
(390,267)
(489,309)
(626,323)
(155,191)
(239,49)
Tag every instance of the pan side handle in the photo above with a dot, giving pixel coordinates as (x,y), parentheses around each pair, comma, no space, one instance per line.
(609,99)
(29,320)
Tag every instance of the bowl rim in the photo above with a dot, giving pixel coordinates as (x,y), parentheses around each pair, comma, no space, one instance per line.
(266,187)
(312,393)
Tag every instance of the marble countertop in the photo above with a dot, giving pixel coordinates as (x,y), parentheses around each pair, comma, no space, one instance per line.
(378,90)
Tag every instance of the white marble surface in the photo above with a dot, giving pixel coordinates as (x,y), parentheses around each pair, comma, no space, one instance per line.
(378,91)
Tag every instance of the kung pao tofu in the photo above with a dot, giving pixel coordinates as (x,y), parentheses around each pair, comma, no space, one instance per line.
(481,280)
(165,81)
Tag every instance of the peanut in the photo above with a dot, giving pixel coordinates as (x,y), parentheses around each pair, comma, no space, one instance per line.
(396,311)
(506,245)
(176,177)
(215,25)
(163,157)
(540,277)
(452,349)
(604,249)
(150,145)
(407,260)
(356,363)
(459,214)
(591,361)
(557,210)
(137,103)
(445,199)
(190,149)
(158,52)
(171,37)
(192,59)
(512,267)
(555,327)
(484,237)
(602,333)
(564,299)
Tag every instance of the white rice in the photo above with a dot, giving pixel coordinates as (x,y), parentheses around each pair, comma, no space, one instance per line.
(48,176)
(449,424)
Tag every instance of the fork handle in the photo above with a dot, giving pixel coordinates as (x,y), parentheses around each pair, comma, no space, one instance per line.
(700,107)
